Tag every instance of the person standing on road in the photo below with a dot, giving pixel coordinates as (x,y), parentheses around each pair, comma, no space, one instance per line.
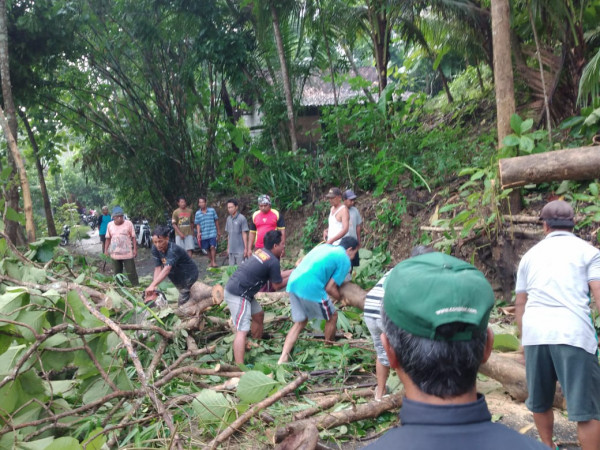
(554,281)
(103,220)
(264,220)
(236,228)
(121,246)
(183,224)
(339,219)
(207,229)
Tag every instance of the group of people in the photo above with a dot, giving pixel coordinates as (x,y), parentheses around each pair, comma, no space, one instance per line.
(428,317)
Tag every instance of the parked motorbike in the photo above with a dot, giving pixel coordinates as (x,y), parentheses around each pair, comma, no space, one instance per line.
(142,233)
(64,236)
(90,220)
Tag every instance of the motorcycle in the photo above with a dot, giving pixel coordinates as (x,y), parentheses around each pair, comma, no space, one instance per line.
(89,220)
(142,233)
(64,236)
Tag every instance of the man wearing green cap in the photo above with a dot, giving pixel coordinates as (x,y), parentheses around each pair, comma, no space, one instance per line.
(435,320)
(554,281)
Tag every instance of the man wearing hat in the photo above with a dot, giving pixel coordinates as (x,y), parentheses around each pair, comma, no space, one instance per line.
(435,320)
(355,222)
(554,281)
(264,220)
(339,219)
(121,246)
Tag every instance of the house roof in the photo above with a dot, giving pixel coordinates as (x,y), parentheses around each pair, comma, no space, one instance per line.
(318,92)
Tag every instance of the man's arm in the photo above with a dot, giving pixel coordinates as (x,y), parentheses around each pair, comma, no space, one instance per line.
(251,240)
(106,245)
(245,241)
(595,288)
(160,273)
(345,225)
(285,276)
(358,229)
(520,301)
(199,233)
(176,226)
(332,289)
(134,243)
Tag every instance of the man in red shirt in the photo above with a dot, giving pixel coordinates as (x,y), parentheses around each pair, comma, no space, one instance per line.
(263,221)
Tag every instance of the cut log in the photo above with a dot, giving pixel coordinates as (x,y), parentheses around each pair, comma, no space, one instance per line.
(306,439)
(582,163)
(352,295)
(510,372)
(335,419)
(202,297)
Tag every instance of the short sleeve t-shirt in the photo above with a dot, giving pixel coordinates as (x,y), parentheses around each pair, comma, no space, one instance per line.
(104,221)
(121,240)
(234,227)
(355,221)
(262,223)
(184,271)
(206,220)
(261,267)
(555,274)
(322,263)
(183,219)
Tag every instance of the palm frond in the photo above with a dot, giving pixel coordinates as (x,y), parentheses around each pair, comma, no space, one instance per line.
(589,85)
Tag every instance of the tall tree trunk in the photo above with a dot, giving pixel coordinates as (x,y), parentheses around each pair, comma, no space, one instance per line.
(503,80)
(380,36)
(503,73)
(287,89)
(445,84)
(229,112)
(40,171)
(541,64)
(9,124)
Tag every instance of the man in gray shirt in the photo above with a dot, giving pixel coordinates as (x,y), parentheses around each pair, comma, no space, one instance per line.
(237,233)
(355,227)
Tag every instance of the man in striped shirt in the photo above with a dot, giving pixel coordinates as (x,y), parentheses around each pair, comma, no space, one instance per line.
(373,303)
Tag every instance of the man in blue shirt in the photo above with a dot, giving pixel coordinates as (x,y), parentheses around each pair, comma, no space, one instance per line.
(103,223)
(207,227)
(311,286)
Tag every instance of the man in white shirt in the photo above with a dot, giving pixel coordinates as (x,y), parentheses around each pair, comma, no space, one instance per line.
(554,281)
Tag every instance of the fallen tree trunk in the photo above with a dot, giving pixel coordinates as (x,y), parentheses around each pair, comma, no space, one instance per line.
(581,163)
(511,374)
(327,401)
(331,420)
(352,295)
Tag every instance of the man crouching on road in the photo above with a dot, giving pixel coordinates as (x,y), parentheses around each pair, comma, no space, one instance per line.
(171,260)
(311,286)
(435,319)
(246,313)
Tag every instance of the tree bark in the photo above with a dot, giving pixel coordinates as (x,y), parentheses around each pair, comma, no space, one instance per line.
(503,73)
(511,374)
(287,89)
(13,229)
(581,163)
(27,205)
(40,171)
(352,295)
(504,83)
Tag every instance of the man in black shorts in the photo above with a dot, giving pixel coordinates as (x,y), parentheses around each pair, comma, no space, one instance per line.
(171,260)
(246,313)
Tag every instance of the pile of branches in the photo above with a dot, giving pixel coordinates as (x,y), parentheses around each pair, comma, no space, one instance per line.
(83,363)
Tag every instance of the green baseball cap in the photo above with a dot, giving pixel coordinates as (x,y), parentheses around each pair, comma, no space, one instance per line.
(434,289)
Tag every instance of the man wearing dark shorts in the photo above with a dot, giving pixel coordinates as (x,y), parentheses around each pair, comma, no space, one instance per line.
(311,285)
(554,281)
(246,313)
(171,260)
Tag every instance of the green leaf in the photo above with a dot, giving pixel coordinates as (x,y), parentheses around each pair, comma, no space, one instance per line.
(97,442)
(8,358)
(594,189)
(526,144)
(515,123)
(40,444)
(254,386)
(210,406)
(506,342)
(364,253)
(65,443)
(571,122)
(9,396)
(11,214)
(12,300)
(526,126)
(511,140)
(35,319)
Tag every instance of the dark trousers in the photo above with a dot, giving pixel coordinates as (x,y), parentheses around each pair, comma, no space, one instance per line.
(129,266)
